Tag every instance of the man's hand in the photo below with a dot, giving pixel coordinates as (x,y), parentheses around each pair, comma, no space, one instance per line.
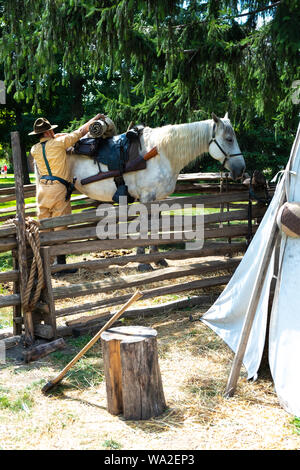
(85,128)
(99,116)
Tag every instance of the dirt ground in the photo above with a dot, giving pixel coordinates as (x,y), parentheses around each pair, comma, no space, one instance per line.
(194,365)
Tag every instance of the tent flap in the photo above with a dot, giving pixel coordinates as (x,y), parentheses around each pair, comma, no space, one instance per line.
(227,315)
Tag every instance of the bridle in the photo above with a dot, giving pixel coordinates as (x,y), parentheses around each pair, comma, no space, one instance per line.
(226,155)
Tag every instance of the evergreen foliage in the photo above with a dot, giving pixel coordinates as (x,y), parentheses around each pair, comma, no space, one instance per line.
(157,62)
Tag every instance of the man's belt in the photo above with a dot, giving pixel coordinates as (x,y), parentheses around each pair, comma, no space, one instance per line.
(70,186)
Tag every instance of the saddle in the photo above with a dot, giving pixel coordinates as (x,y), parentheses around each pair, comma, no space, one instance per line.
(120,153)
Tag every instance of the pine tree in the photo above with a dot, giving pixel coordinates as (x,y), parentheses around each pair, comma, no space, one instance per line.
(157,61)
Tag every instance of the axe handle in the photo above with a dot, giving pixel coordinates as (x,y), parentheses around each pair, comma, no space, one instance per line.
(60,376)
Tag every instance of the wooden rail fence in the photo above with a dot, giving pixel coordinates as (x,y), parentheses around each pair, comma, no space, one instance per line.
(225,232)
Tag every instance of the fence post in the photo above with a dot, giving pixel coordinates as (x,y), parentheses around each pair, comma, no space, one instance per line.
(228,205)
(17,311)
(20,229)
(50,318)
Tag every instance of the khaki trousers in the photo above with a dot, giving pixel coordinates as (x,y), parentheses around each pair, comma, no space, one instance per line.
(51,201)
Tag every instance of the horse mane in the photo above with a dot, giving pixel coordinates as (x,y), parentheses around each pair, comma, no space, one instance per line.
(182,142)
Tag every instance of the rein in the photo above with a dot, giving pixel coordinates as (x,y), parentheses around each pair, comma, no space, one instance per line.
(226,155)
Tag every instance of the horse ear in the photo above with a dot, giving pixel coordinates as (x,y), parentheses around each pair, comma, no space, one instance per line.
(215,118)
(226,116)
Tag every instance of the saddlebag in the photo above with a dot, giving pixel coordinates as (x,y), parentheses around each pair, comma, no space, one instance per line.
(87,146)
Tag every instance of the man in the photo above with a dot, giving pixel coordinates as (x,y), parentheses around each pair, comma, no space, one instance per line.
(4,170)
(53,195)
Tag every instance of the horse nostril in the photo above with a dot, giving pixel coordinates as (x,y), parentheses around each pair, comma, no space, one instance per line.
(237,172)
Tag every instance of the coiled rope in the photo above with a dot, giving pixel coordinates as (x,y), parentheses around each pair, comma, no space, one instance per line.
(33,289)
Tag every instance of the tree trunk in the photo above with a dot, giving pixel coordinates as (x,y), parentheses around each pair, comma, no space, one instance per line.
(76,83)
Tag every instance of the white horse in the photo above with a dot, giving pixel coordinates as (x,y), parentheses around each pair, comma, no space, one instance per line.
(177,146)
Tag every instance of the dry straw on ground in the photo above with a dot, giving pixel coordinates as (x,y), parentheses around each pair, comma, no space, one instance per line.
(194,365)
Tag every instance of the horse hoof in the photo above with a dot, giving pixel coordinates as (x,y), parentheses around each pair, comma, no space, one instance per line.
(162,262)
(144,267)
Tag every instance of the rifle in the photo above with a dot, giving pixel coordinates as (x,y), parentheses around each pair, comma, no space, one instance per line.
(134,165)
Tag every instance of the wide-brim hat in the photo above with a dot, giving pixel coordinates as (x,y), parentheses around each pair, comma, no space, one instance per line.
(42,125)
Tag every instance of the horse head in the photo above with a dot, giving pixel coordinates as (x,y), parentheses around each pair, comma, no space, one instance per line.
(224,147)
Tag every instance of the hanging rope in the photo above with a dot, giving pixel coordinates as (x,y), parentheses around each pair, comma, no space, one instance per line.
(36,270)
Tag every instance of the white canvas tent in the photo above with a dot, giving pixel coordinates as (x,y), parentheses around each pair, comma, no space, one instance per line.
(240,314)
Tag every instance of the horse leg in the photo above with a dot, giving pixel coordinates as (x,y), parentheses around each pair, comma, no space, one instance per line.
(143,267)
(161,262)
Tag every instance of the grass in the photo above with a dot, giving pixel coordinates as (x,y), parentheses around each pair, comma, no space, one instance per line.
(16,402)
(6,318)
(194,366)
(5,288)
(110,444)
(86,372)
(296,424)
(10,205)
(5,261)
(9,181)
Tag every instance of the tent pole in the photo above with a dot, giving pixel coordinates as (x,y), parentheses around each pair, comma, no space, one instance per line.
(243,341)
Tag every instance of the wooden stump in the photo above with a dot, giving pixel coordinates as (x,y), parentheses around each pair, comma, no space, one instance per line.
(133,380)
